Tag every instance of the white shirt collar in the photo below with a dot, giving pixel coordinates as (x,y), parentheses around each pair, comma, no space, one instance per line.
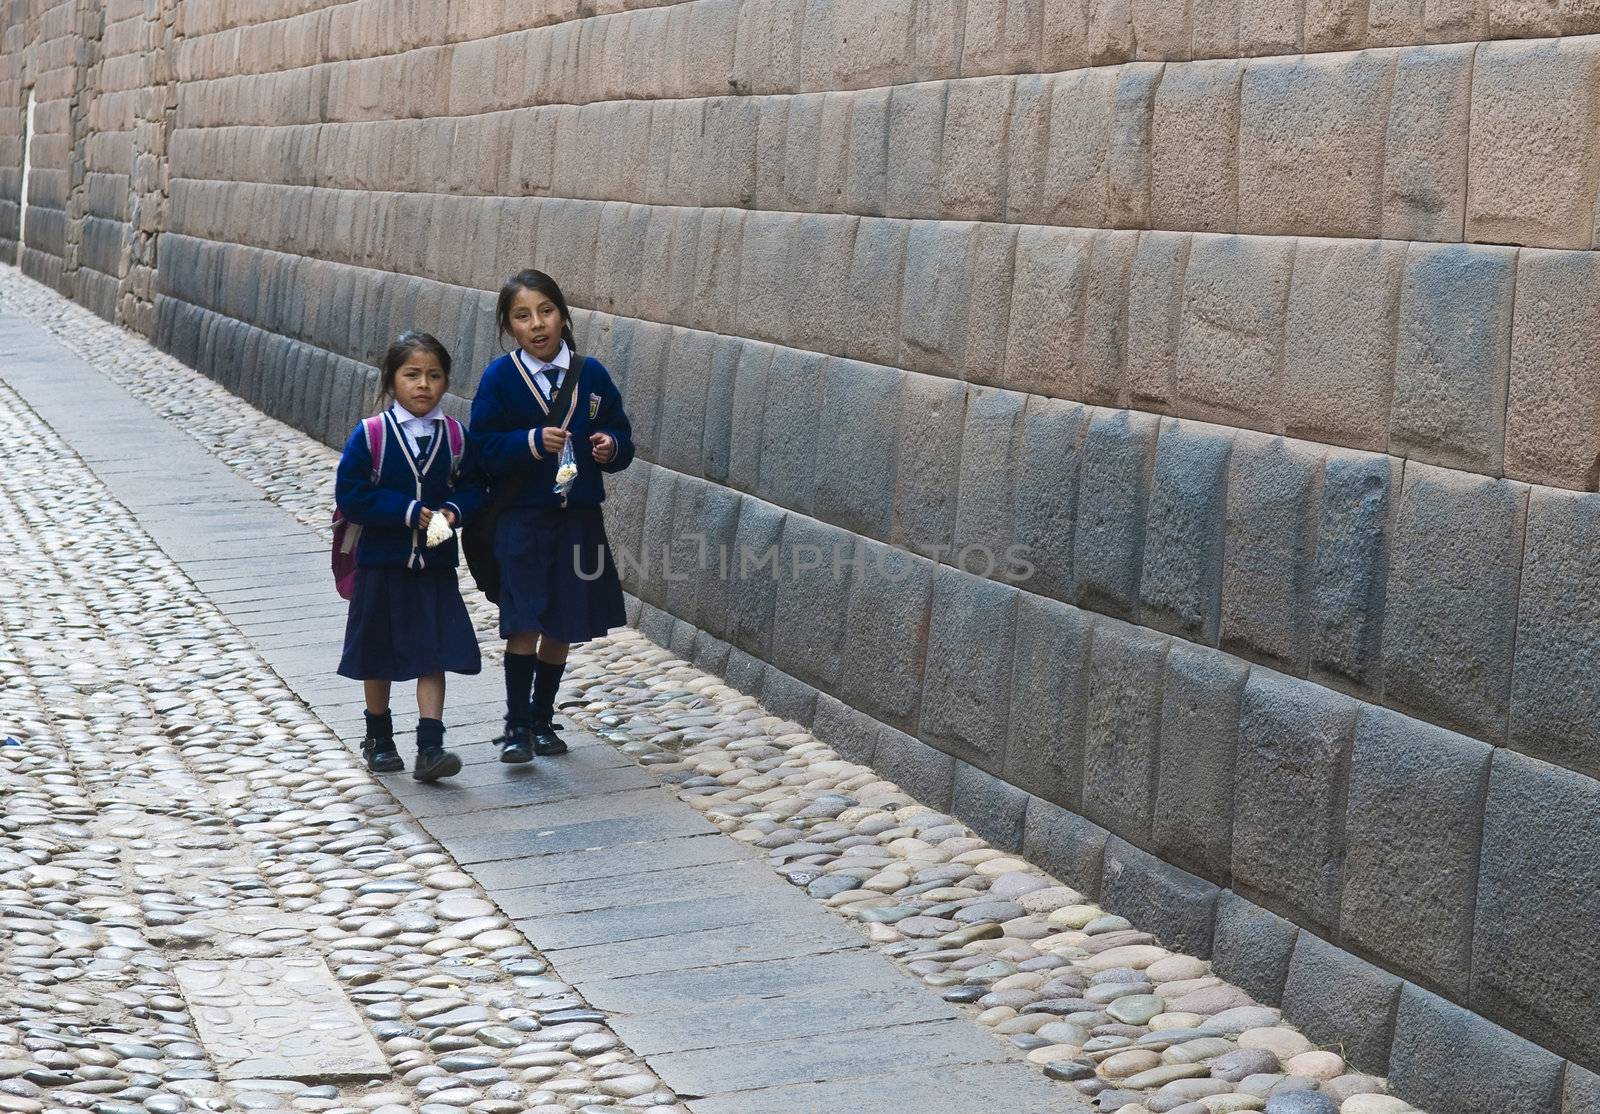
(563,359)
(405,417)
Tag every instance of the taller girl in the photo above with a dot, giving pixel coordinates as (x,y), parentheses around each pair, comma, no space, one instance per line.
(558,583)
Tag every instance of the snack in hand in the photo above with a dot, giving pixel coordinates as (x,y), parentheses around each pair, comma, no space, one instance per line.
(439,529)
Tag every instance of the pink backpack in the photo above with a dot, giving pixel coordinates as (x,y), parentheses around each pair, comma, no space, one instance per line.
(347,534)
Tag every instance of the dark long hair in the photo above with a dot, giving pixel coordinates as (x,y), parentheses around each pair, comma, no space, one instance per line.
(400,351)
(539,283)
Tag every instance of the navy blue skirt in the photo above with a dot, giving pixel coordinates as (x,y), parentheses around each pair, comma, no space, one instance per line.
(557,577)
(404,625)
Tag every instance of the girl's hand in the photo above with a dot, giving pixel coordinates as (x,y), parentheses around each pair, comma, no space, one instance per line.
(449,516)
(602,446)
(553,437)
(424,516)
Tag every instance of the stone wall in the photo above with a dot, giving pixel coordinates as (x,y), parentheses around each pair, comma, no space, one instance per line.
(1269,331)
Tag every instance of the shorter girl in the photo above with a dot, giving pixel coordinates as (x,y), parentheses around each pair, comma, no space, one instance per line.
(407,620)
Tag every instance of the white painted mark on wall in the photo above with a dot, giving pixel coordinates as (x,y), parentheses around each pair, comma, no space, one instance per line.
(27,172)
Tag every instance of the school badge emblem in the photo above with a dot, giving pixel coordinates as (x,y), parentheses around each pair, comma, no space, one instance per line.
(594,406)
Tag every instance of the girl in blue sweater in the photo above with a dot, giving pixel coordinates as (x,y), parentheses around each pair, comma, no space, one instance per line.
(407,620)
(558,583)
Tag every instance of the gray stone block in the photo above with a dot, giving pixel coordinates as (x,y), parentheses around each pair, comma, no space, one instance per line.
(682,641)
(916,128)
(717,445)
(1064,844)
(711,654)
(927,471)
(1158,897)
(745,672)
(887,641)
(1192,824)
(1268,558)
(1447,640)
(754,575)
(789,429)
(1122,720)
(1411,835)
(853,734)
(872,316)
(856,446)
(1230,343)
(1049,691)
(1113,486)
(990,445)
(1536,956)
(656,624)
(1454,345)
(955,298)
(745,435)
(1555,683)
(632,606)
(995,809)
(1351,577)
(1289,794)
(967,684)
(1180,586)
(1251,947)
(626,494)
(655,538)
(1582,1091)
(1340,1000)
(686,554)
(1449,1058)
(1045,495)
(788,697)
(812,603)
(685,380)
(718,541)
(927,774)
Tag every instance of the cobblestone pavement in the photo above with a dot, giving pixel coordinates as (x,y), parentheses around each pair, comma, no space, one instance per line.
(173,808)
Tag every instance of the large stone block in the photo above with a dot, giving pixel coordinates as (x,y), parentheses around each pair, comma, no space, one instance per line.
(1180,586)
(887,638)
(1450,363)
(927,774)
(1044,496)
(1269,28)
(916,130)
(1103,338)
(1553,399)
(1195,145)
(956,297)
(1047,294)
(1113,487)
(856,446)
(1064,844)
(1289,794)
(752,591)
(1028,146)
(1338,999)
(1339,341)
(1076,34)
(1582,1092)
(1449,1058)
(1273,490)
(820,263)
(655,537)
(990,451)
(714,539)
(1336,24)
(788,697)
(1231,345)
(1049,691)
(927,473)
(993,808)
(626,493)
(867,170)
(966,699)
(872,314)
(641,389)
(1535,108)
(1251,947)
(1536,957)
(971,178)
(747,422)
(1311,139)
(1158,897)
(764,280)
(1155,317)
(811,606)
(1555,694)
(1351,578)
(685,378)
(1122,723)
(1001,36)
(1452,599)
(1411,834)
(1128,144)
(1425,155)
(1395,22)
(853,734)
(722,372)
(1193,818)
(789,428)
(685,549)
(1074,189)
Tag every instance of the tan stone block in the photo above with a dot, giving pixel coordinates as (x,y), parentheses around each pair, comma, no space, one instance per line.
(1102,347)
(1336,24)
(656,297)
(1311,136)
(802,143)
(1001,37)
(1074,190)
(872,310)
(833,153)
(1425,157)
(1535,111)
(1524,18)
(1128,146)
(1457,20)
(1048,288)
(1161,29)
(817,45)
(1395,22)
(955,297)
(708,63)
(936,33)
(658,183)
(1578,17)
(1553,400)
(1230,349)
(682,300)
(771,155)
(732,125)
(762,273)
(1075,33)
(867,177)
(972,168)
(1155,317)
(821,252)
(1270,27)
(1194,143)
(1027,146)
(1339,338)
(767,45)
(916,128)
(872,42)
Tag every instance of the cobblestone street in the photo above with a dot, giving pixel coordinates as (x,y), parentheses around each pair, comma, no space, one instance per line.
(207,903)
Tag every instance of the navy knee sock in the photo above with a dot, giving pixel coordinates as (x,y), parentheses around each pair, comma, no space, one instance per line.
(519,687)
(430,734)
(546,680)
(380,726)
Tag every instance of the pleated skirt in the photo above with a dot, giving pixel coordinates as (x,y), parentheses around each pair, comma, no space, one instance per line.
(404,625)
(557,576)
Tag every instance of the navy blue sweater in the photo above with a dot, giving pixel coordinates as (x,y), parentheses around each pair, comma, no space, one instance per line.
(509,415)
(387,511)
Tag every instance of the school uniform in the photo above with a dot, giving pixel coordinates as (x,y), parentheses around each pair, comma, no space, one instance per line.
(557,575)
(407,618)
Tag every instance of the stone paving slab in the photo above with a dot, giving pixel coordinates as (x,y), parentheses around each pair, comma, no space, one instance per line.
(650,920)
(639,887)
(982,1089)
(595,863)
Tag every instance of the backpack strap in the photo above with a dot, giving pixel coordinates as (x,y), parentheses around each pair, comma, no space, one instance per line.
(458,444)
(375,442)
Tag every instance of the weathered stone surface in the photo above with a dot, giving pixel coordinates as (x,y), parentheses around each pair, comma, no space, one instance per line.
(1329,992)
(1065,844)
(990,447)
(1180,585)
(994,809)
(967,697)
(1425,151)
(1195,145)
(1553,403)
(1049,691)
(927,467)
(753,586)
(856,447)
(1231,345)
(1172,903)
(1047,293)
(790,429)
(1126,665)
(1448,1058)
(1108,537)
(811,603)
(1044,496)
(927,774)
(887,637)
(1351,577)
(1192,824)
(1251,947)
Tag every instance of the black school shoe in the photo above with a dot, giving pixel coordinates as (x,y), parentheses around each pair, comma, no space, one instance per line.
(433,761)
(381,755)
(516,745)
(545,740)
